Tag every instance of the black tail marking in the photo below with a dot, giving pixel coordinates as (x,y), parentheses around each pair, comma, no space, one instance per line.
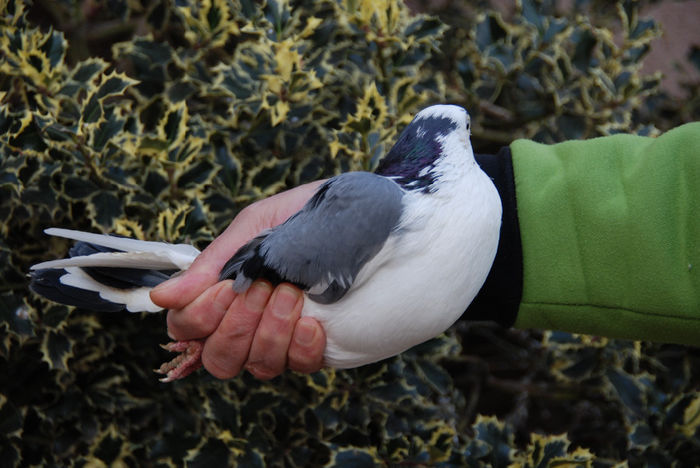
(47,283)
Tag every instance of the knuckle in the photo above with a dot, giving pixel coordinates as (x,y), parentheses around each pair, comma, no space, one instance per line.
(220,367)
(184,325)
(268,339)
(301,362)
(190,322)
(238,324)
(264,371)
(305,359)
(247,214)
(200,323)
(223,297)
(234,335)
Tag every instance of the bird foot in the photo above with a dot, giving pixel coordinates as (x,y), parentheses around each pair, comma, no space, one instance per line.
(188,361)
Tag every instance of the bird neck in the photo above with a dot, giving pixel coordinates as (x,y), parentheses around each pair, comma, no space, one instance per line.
(456,165)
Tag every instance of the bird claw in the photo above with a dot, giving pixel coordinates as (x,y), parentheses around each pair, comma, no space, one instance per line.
(182,365)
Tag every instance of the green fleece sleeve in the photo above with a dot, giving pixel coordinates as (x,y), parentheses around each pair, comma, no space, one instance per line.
(610,231)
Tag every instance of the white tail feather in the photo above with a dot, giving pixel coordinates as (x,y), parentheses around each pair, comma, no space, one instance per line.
(144,260)
(132,254)
(135,300)
(178,256)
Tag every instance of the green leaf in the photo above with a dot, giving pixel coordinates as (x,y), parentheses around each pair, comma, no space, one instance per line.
(181,90)
(251,458)
(435,376)
(106,131)
(56,349)
(214,16)
(642,436)
(572,127)
(55,316)
(174,125)
(54,48)
(11,454)
(583,53)
(213,453)
(642,27)
(113,85)
(354,459)
(8,179)
(555,27)
(78,188)
(107,207)
(270,176)
(11,419)
(237,81)
(157,53)
(223,409)
(497,437)
(196,175)
(155,182)
(37,61)
(488,32)
(108,449)
(92,112)
(229,167)
(40,194)
(87,70)
(532,13)
(628,390)
(425,27)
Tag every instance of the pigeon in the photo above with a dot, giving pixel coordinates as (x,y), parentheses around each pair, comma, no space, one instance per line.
(386,259)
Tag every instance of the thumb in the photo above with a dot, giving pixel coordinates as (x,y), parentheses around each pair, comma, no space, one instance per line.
(182,289)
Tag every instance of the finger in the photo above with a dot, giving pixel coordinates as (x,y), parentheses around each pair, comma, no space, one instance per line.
(226,350)
(268,353)
(200,318)
(307,346)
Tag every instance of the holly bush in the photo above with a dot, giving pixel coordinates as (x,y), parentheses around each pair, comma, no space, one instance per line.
(161,119)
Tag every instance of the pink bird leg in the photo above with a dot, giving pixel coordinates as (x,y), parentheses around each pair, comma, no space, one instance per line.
(188,361)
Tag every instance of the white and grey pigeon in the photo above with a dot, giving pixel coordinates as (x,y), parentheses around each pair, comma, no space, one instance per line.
(387,259)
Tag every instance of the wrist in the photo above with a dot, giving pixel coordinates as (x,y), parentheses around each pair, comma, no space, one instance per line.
(499,297)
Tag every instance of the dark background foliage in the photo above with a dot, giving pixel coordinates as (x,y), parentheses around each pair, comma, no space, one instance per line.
(162,119)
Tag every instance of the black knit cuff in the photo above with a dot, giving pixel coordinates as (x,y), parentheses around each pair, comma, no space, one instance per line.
(499,297)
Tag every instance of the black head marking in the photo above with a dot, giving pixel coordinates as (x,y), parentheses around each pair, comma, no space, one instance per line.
(418,148)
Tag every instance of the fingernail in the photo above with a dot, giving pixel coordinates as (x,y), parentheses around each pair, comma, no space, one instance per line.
(304,334)
(284,301)
(257,296)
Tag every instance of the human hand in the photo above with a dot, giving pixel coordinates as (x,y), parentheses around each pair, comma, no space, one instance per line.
(260,329)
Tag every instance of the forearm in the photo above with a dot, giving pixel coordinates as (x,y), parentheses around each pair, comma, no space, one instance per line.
(610,235)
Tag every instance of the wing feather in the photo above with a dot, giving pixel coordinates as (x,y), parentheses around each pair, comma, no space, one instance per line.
(323,246)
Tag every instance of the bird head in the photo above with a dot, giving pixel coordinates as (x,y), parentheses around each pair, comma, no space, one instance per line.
(437,136)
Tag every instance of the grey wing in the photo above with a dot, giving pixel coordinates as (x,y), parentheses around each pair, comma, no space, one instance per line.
(323,246)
